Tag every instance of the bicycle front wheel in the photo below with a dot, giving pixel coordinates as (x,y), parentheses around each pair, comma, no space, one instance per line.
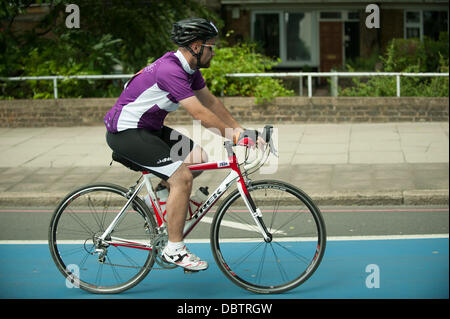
(297,245)
(122,260)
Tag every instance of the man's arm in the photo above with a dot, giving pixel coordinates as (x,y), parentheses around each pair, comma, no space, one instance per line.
(221,119)
(217,107)
(208,118)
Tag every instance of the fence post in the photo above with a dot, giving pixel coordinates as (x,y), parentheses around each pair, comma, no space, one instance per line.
(334,85)
(300,86)
(309,86)
(55,87)
(398,85)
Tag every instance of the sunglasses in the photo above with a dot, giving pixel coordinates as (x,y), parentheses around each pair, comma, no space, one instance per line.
(210,46)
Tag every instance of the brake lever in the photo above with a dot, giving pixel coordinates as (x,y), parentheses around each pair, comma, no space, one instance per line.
(272,148)
(267,135)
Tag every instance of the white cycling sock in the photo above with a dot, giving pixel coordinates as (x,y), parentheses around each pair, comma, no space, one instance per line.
(171,246)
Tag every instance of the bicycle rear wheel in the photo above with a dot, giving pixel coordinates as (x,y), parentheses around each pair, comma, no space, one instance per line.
(119,262)
(298,238)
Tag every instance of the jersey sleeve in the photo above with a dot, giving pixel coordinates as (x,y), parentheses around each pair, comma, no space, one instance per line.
(198,82)
(176,82)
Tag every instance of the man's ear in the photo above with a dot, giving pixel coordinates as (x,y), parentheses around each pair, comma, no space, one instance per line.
(195,46)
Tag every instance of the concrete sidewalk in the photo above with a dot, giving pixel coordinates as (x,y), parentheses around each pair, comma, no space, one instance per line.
(339,164)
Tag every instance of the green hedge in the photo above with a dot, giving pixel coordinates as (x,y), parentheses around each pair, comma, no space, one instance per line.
(243,58)
(408,55)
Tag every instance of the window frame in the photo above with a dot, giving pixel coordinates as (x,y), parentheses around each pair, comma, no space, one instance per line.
(420,24)
(407,24)
(314,61)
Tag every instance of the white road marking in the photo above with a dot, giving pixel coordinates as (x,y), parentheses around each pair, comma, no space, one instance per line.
(238,225)
(330,238)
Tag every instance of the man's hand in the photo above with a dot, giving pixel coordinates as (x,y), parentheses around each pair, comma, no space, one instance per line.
(248,138)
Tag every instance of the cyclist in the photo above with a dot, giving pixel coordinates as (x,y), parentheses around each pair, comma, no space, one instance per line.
(136,130)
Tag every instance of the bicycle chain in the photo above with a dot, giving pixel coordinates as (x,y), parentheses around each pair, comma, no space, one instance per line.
(156,242)
(135,267)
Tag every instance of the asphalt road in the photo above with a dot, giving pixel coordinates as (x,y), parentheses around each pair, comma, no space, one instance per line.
(372,253)
(32,223)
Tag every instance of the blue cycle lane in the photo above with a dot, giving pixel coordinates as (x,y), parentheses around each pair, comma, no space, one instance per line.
(416,268)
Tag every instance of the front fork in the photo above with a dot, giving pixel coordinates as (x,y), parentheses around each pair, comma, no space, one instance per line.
(254,211)
(242,187)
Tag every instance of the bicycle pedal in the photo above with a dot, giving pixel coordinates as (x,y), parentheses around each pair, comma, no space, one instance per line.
(189,272)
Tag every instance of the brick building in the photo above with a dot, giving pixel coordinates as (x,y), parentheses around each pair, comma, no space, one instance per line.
(324,34)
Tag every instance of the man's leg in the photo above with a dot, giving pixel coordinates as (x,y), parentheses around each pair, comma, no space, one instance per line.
(180,184)
(197,156)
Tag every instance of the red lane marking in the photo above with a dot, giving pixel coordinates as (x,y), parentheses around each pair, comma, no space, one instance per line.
(285,210)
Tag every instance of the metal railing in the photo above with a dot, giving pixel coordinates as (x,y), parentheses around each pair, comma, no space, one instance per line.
(300,75)
(335,77)
(55,79)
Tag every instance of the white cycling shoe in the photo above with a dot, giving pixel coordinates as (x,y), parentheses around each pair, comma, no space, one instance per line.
(184,258)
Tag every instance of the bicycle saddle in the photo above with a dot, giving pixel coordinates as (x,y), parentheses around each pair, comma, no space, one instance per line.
(127,162)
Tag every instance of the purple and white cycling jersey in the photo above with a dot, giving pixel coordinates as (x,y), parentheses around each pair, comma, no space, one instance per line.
(154,92)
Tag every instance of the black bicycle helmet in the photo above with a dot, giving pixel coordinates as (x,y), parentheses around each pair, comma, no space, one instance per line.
(187,31)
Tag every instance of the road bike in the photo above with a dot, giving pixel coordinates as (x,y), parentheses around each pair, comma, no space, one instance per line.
(267,236)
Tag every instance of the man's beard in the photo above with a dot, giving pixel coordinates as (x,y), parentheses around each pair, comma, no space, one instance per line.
(205,65)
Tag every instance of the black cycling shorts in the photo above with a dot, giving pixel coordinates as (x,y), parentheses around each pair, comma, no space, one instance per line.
(159,152)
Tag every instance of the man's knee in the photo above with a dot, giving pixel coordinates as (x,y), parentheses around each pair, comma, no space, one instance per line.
(181,178)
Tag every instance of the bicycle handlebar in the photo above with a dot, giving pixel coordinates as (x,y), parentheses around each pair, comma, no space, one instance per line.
(270,148)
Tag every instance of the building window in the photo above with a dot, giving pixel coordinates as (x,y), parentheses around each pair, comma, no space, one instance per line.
(298,36)
(434,22)
(267,33)
(430,23)
(290,36)
(353,15)
(324,15)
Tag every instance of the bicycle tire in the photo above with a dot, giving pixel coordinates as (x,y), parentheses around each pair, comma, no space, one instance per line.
(72,224)
(301,243)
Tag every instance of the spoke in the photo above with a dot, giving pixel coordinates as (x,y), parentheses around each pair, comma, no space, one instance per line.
(295,216)
(295,254)
(127,257)
(275,210)
(246,255)
(94,213)
(98,278)
(283,273)
(114,271)
(65,231)
(130,227)
(80,222)
(104,214)
(84,259)
(238,218)
(70,252)
(261,265)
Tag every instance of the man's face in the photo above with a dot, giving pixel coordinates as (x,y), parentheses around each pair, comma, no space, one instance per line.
(208,52)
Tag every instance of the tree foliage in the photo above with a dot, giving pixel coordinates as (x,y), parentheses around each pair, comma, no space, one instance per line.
(114,36)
